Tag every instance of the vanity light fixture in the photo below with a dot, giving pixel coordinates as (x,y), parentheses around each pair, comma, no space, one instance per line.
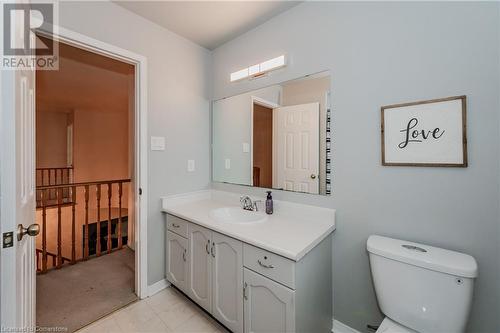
(258,69)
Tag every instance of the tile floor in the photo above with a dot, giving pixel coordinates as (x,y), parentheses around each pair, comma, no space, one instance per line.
(168,311)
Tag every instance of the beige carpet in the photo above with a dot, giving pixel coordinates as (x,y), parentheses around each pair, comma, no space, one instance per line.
(77,295)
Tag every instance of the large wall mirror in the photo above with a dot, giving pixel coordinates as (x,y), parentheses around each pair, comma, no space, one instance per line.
(276,137)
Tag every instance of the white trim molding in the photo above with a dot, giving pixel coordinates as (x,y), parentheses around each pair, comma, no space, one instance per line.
(339,327)
(157,287)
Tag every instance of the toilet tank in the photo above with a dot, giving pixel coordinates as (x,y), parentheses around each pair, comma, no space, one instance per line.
(424,288)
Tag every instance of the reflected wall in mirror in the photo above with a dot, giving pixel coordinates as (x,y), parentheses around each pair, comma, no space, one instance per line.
(275,137)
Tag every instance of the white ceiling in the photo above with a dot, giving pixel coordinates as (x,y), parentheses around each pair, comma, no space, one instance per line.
(208,23)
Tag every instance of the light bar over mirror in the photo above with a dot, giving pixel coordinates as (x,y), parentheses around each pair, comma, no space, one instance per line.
(275,137)
(258,69)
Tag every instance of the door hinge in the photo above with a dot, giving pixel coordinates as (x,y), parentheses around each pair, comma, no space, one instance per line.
(140,191)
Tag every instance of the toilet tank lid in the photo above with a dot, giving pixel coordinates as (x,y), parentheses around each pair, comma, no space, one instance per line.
(425,256)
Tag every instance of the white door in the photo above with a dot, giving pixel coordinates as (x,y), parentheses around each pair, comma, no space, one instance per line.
(17,198)
(269,306)
(177,261)
(227,256)
(296,147)
(200,266)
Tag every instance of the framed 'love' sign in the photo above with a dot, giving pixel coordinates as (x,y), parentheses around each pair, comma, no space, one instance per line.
(425,133)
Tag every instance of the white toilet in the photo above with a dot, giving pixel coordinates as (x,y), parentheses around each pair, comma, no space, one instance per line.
(421,288)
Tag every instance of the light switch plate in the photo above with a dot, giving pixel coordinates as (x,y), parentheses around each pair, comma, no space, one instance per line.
(157,143)
(228,163)
(246,147)
(190,167)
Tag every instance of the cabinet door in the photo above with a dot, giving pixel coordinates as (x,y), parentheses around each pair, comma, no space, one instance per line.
(177,257)
(200,266)
(269,306)
(227,257)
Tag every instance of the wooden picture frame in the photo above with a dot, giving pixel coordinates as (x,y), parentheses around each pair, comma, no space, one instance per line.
(425,145)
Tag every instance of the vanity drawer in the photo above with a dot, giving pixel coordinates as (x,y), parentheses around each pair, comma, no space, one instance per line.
(177,225)
(273,266)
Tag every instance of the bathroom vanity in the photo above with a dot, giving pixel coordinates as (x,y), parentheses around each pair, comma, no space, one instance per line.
(253,272)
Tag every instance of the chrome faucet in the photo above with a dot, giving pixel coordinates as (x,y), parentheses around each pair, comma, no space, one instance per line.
(248,204)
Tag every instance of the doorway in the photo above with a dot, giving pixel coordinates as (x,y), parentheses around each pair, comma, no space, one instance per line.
(17,259)
(84,193)
(263,146)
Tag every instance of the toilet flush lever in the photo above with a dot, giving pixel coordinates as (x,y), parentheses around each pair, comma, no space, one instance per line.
(414,248)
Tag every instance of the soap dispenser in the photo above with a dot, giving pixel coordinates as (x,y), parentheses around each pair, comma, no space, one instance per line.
(269,203)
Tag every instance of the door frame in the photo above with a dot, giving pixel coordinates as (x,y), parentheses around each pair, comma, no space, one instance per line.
(139,62)
(140,151)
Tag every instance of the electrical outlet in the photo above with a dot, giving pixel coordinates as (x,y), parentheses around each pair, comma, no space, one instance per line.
(191,166)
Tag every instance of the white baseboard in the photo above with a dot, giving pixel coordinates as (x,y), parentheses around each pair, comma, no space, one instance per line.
(339,327)
(157,287)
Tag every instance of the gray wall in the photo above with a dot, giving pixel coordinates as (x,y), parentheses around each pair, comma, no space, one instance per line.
(379,54)
(231,125)
(178,104)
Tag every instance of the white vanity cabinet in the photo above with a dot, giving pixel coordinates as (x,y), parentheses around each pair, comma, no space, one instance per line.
(177,256)
(249,289)
(213,268)
(227,281)
(200,266)
(269,306)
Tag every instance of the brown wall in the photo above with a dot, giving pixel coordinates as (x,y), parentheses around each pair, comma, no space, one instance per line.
(263,145)
(51,143)
(100,145)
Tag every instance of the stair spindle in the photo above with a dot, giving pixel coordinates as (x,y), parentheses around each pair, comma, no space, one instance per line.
(73,227)
(109,216)
(86,235)
(59,227)
(44,232)
(98,245)
(120,192)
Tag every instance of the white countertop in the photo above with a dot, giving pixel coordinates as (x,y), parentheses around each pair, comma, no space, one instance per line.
(291,231)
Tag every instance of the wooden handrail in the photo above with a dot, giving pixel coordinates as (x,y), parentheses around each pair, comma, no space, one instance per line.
(66,196)
(101,182)
(53,168)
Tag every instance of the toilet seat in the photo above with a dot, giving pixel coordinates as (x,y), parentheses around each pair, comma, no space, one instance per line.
(389,326)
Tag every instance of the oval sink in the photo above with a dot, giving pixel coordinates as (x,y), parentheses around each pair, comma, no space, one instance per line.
(237,215)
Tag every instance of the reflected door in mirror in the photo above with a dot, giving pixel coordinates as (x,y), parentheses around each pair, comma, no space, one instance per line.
(297,147)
